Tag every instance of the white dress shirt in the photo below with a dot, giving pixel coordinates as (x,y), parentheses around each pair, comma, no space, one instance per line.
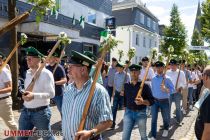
(174,75)
(43,90)
(5,76)
(150,75)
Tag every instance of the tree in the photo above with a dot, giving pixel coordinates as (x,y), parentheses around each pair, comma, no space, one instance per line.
(175,33)
(197,40)
(205,20)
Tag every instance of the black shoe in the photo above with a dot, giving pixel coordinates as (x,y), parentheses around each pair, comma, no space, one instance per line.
(113,126)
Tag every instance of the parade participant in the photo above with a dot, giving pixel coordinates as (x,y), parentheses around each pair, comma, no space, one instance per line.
(135,112)
(59,77)
(202,124)
(111,73)
(118,91)
(145,61)
(161,93)
(99,116)
(178,85)
(185,91)
(36,111)
(191,86)
(6,112)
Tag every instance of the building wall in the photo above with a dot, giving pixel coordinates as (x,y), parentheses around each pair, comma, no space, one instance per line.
(72,7)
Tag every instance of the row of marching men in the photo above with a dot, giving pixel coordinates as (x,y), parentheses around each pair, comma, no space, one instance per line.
(182,85)
(36,111)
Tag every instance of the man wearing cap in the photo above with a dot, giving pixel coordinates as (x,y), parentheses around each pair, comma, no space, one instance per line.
(93,68)
(59,77)
(179,85)
(145,61)
(120,79)
(99,116)
(161,93)
(111,73)
(36,111)
(135,112)
(6,112)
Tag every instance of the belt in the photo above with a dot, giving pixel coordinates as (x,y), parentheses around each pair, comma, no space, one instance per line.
(2,98)
(36,109)
(161,100)
(133,109)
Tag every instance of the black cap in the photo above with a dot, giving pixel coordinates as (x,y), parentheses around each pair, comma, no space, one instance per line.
(135,67)
(126,62)
(173,62)
(145,59)
(114,59)
(78,58)
(120,64)
(159,64)
(182,61)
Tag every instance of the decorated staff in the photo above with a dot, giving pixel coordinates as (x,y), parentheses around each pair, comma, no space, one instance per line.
(108,44)
(40,7)
(154,53)
(121,54)
(170,50)
(65,41)
(21,42)
(37,74)
(177,80)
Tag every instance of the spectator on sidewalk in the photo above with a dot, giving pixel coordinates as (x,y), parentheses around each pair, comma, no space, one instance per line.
(202,124)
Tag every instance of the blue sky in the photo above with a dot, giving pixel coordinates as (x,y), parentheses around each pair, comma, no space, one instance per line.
(187,8)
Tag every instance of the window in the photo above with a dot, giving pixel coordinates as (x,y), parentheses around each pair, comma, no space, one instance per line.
(136,59)
(155,44)
(139,58)
(137,40)
(154,25)
(88,47)
(91,16)
(150,43)
(144,41)
(148,22)
(142,18)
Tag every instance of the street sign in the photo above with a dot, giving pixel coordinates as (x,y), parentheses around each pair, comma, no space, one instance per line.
(204,48)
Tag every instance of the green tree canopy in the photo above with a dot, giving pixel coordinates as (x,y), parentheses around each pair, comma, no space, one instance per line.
(175,33)
(205,20)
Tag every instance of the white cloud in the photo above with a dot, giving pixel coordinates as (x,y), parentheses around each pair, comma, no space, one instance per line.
(188,7)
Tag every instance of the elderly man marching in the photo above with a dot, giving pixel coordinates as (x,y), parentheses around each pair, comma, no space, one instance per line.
(161,93)
(36,111)
(5,100)
(135,112)
(179,81)
(99,116)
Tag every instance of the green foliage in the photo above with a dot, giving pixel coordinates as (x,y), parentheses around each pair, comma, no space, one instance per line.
(197,40)
(205,20)
(41,7)
(64,38)
(23,38)
(131,53)
(121,54)
(175,32)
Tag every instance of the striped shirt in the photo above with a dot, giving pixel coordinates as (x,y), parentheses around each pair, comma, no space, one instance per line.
(74,101)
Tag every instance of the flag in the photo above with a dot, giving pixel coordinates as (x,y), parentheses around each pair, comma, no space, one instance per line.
(73,20)
(103,35)
(54,12)
(82,21)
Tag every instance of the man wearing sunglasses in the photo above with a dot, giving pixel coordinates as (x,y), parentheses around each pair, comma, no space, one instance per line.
(202,124)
